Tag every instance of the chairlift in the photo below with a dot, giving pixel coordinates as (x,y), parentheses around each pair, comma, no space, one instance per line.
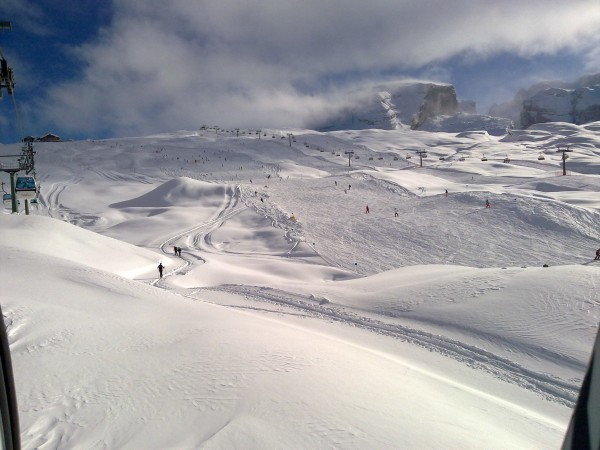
(507,159)
(462,158)
(380,158)
(484,158)
(541,157)
(7,199)
(370,158)
(395,158)
(442,158)
(408,156)
(26,187)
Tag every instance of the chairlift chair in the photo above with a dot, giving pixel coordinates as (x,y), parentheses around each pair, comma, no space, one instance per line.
(484,158)
(507,159)
(541,157)
(408,156)
(26,187)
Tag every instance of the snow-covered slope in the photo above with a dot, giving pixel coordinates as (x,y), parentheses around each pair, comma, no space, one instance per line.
(293,319)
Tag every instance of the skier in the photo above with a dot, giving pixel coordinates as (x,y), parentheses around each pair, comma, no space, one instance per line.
(395,212)
(367,210)
(160,269)
(446,193)
(597,254)
(487,203)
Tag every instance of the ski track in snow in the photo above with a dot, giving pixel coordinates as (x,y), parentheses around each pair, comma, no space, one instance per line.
(504,369)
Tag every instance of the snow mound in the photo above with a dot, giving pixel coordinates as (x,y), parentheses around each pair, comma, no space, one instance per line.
(180,191)
(77,245)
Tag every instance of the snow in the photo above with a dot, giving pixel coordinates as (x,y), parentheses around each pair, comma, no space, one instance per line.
(293,319)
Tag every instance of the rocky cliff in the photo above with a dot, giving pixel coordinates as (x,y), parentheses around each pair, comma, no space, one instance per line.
(578,106)
(554,101)
(416,105)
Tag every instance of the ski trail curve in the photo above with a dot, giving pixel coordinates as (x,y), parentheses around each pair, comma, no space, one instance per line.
(227,210)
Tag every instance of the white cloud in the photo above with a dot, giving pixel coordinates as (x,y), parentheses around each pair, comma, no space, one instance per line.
(177,64)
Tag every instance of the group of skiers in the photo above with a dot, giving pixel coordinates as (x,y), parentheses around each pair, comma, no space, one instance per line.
(161,268)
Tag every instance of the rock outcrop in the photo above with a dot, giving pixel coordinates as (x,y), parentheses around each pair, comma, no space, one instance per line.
(406,104)
(578,106)
(554,101)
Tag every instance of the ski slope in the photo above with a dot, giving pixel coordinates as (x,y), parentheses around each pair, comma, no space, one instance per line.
(293,319)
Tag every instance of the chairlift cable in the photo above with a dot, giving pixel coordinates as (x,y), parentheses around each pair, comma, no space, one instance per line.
(18,116)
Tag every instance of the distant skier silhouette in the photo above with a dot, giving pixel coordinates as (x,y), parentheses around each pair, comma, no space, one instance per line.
(487,203)
(395,212)
(597,254)
(160,270)
(367,210)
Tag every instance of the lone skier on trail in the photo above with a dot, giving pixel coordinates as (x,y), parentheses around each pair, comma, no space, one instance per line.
(367,210)
(487,203)
(160,269)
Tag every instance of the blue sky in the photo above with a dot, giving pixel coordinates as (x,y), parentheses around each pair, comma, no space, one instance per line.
(96,69)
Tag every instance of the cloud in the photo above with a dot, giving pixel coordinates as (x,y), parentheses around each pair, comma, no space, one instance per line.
(179,64)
